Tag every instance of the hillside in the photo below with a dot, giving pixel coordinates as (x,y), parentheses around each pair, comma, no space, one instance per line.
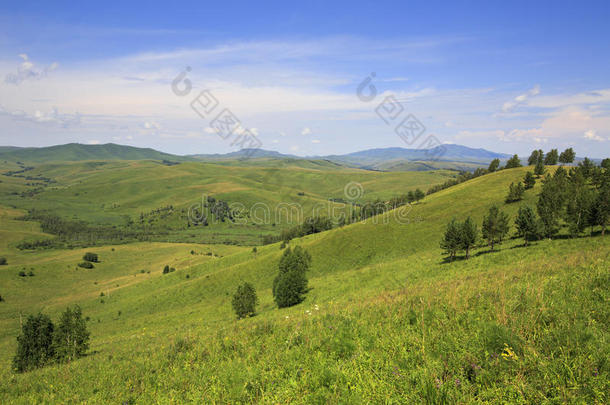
(386,319)
(79,152)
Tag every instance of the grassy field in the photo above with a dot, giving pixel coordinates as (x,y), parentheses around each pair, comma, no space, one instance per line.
(386,319)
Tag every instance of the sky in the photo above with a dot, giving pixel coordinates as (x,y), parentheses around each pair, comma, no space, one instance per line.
(312,78)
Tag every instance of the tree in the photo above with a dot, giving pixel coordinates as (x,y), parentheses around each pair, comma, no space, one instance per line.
(529,181)
(410,196)
(3,261)
(600,212)
(34,344)
(71,337)
(90,257)
(495,226)
(534,158)
(451,240)
(586,166)
(513,162)
(290,285)
(551,158)
(579,207)
(527,224)
(166,269)
(539,169)
(606,163)
(550,202)
(468,236)
(244,301)
(419,194)
(515,192)
(493,166)
(567,156)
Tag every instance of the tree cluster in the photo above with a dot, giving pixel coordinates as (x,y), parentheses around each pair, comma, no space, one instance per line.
(41,342)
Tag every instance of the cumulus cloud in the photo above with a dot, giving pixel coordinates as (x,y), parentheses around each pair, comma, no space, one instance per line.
(41,117)
(306,131)
(520,99)
(592,135)
(27,70)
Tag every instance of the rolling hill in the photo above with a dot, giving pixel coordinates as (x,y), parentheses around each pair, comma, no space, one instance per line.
(386,319)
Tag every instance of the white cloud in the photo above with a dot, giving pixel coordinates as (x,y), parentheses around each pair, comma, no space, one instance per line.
(315,141)
(520,99)
(151,125)
(592,135)
(93,142)
(27,70)
(306,131)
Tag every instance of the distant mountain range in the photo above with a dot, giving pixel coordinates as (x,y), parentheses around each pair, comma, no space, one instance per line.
(391,159)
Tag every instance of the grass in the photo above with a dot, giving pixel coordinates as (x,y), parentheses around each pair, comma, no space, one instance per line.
(386,319)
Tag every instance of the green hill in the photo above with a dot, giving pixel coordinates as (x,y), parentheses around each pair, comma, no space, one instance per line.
(386,320)
(79,152)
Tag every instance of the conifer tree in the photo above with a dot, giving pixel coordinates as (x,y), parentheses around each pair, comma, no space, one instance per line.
(529,181)
(493,166)
(527,224)
(495,226)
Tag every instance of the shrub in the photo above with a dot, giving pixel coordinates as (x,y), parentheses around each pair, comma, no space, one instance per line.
(31,273)
(290,285)
(254,249)
(91,257)
(22,274)
(1,299)
(86,265)
(3,261)
(71,338)
(166,269)
(35,344)
(172,269)
(244,301)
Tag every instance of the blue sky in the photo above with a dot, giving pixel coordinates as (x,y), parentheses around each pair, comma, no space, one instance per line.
(505,76)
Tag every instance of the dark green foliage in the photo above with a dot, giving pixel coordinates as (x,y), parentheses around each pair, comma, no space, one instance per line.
(31,273)
(535,158)
(290,285)
(419,194)
(410,196)
(22,274)
(71,337)
(283,245)
(254,250)
(527,225)
(493,166)
(1,298)
(244,301)
(35,344)
(605,163)
(567,156)
(451,240)
(3,261)
(86,265)
(539,169)
(515,192)
(587,167)
(600,210)
(468,236)
(309,226)
(495,226)
(462,177)
(166,269)
(513,162)
(551,158)
(91,257)
(172,269)
(551,200)
(529,181)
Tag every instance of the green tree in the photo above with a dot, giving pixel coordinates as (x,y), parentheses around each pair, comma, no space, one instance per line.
(166,269)
(419,194)
(600,210)
(606,163)
(567,156)
(550,202)
(468,236)
(244,301)
(529,181)
(91,257)
(290,285)
(534,158)
(451,240)
(587,167)
(527,224)
(515,192)
(493,166)
(551,158)
(410,196)
(34,344)
(495,226)
(513,162)
(539,169)
(71,337)
(3,261)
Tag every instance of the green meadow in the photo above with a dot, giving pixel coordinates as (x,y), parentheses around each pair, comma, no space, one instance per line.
(386,320)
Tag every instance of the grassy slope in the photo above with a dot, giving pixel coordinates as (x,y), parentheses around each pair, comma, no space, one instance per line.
(393,321)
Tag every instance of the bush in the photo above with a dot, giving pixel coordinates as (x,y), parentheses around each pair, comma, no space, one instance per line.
(244,301)
(3,261)
(31,273)
(166,269)
(22,274)
(35,344)
(290,285)
(71,338)
(86,265)
(90,257)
